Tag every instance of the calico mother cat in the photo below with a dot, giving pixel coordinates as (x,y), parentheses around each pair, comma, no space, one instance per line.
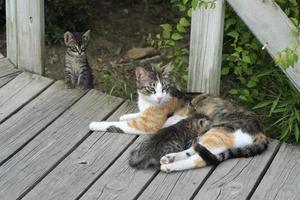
(226,131)
(78,73)
(156,102)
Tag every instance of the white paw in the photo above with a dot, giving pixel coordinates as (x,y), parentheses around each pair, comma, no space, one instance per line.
(169,158)
(165,168)
(93,126)
(124,118)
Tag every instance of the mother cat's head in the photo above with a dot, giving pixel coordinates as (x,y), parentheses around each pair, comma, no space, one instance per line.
(153,85)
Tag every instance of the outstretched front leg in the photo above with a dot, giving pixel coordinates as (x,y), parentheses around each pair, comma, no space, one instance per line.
(130,116)
(119,127)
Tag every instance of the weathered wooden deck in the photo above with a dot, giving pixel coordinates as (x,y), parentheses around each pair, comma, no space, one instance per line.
(48,152)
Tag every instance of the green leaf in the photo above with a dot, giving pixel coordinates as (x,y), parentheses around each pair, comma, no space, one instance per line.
(233,91)
(166,34)
(246,59)
(233,34)
(262,104)
(184,22)
(297,132)
(225,70)
(180,28)
(167,27)
(176,36)
(195,4)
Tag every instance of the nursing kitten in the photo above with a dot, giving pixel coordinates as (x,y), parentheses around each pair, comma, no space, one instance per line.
(156,102)
(233,133)
(175,138)
(78,73)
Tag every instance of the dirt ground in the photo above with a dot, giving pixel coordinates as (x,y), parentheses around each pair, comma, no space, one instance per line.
(116,28)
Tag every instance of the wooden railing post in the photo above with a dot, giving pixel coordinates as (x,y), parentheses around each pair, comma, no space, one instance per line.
(25,34)
(206,49)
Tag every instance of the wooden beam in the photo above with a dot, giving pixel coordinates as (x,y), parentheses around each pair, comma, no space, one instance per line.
(25,34)
(206,49)
(271,26)
(11,30)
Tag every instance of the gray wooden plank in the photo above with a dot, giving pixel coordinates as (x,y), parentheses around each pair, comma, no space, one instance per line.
(11,30)
(282,180)
(121,181)
(30,165)
(6,79)
(177,185)
(271,26)
(70,177)
(6,68)
(19,91)
(235,179)
(206,49)
(34,117)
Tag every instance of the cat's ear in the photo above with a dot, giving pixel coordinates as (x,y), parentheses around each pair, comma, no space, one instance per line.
(166,70)
(141,74)
(68,37)
(86,36)
(202,122)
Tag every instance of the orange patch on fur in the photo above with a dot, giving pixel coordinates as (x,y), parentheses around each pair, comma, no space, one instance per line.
(259,137)
(200,162)
(218,138)
(153,118)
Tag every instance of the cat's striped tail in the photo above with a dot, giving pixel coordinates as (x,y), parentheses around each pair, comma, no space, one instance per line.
(247,151)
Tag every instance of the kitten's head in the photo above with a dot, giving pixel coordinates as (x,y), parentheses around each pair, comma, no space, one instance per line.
(153,86)
(76,43)
(200,121)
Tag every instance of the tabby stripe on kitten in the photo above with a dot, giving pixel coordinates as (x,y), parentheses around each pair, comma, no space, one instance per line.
(156,103)
(78,73)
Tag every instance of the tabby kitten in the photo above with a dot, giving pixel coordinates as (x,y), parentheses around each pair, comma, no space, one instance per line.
(156,102)
(167,140)
(78,73)
(233,133)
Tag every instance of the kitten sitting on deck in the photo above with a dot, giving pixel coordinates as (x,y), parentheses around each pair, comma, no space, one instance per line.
(156,102)
(78,73)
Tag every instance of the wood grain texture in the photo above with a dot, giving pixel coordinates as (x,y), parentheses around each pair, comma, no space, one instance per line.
(20,91)
(30,35)
(6,79)
(30,120)
(11,30)
(235,178)
(206,49)
(282,180)
(7,71)
(50,147)
(179,185)
(7,68)
(271,26)
(70,178)
(120,181)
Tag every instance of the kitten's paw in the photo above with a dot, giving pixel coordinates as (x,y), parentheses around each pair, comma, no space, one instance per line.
(167,159)
(93,126)
(124,118)
(165,168)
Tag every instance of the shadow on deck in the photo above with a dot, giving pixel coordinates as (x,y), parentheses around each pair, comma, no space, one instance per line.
(48,152)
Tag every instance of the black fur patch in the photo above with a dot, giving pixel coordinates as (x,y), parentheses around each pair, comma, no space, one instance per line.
(206,155)
(188,154)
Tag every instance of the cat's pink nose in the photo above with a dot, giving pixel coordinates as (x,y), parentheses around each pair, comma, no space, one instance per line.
(159,99)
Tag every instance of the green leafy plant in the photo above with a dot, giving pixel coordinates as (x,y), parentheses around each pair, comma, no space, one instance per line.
(249,75)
